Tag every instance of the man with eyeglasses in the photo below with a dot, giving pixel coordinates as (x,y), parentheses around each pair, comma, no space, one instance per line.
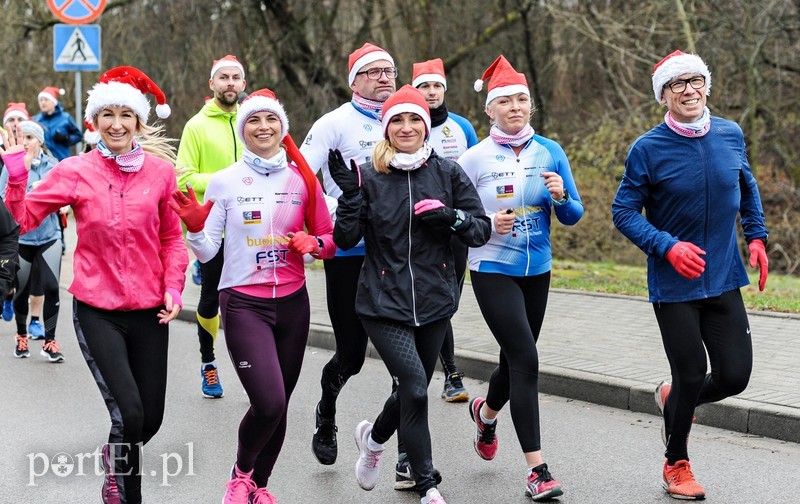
(354,128)
(691,175)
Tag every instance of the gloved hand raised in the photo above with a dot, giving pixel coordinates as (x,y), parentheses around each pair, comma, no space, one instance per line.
(191,212)
(685,258)
(435,213)
(61,138)
(301,243)
(348,179)
(758,257)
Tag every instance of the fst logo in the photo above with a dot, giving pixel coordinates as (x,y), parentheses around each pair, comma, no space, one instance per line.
(266,258)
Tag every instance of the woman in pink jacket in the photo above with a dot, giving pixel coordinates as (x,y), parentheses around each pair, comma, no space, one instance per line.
(129,262)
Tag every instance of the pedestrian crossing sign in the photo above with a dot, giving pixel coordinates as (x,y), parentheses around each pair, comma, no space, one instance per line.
(76,48)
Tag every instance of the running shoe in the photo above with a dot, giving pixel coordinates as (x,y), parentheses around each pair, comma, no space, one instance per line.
(661,394)
(679,482)
(262,496)
(541,484)
(485,441)
(405,479)
(211,386)
(50,351)
(8,310)
(323,444)
(196,278)
(21,350)
(35,330)
(432,496)
(110,491)
(454,390)
(368,464)
(239,488)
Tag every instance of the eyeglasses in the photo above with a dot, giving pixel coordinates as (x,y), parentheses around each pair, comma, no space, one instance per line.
(375,73)
(679,86)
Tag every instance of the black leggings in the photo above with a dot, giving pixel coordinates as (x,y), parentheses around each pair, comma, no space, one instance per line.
(38,263)
(126,351)
(718,326)
(208,305)
(266,341)
(341,284)
(513,308)
(410,356)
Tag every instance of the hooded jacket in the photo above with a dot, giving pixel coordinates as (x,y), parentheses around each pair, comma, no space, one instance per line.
(58,122)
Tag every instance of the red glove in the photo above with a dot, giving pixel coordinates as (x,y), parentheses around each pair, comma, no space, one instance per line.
(301,243)
(758,257)
(683,256)
(191,212)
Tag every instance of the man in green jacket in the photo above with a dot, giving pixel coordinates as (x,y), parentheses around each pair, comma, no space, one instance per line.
(209,144)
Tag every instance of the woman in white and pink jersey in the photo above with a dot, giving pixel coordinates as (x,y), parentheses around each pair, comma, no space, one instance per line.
(261,204)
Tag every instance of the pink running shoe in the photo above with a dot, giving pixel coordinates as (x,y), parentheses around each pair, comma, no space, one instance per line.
(262,496)
(433,497)
(109,494)
(239,488)
(542,485)
(368,465)
(485,441)
(661,394)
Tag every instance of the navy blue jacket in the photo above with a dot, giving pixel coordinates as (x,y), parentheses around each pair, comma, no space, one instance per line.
(691,190)
(58,122)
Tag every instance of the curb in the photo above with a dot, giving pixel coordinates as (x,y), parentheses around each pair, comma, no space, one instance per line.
(748,417)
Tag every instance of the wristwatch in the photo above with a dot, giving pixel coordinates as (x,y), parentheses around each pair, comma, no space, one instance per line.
(563,199)
(460,218)
(321,244)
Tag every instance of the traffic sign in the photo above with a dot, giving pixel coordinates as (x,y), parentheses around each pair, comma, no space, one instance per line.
(77,11)
(76,48)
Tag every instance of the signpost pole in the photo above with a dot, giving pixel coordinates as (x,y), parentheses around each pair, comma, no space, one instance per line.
(78,108)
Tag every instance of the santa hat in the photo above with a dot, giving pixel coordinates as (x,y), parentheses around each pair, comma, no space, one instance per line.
(263,100)
(51,93)
(407,99)
(429,71)
(126,86)
(503,80)
(90,136)
(365,55)
(675,65)
(32,128)
(226,61)
(16,110)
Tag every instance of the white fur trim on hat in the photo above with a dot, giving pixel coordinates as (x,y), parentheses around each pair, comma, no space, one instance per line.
(366,60)
(421,79)
(226,63)
(256,104)
(103,95)
(677,66)
(406,107)
(50,96)
(12,114)
(506,91)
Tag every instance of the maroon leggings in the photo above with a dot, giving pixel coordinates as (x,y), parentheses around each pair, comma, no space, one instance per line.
(266,340)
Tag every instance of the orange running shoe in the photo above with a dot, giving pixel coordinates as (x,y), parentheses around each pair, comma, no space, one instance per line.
(679,482)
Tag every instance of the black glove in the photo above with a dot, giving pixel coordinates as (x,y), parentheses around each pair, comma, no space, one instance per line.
(440,218)
(346,178)
(61,138)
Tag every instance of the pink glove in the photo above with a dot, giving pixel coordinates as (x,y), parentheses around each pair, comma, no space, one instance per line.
(758,257)
(15,164)
(301,243)
(189,209)
(176,297)
(683,256)
(427,204)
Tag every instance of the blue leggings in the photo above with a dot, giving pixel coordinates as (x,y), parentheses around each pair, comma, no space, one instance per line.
(266,340)
(715,325)
(514,310)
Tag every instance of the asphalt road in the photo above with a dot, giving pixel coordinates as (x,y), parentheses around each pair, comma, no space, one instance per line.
(599,454)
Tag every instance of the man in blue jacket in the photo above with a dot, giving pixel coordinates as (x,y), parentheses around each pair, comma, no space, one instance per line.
(691,176)
(60,130)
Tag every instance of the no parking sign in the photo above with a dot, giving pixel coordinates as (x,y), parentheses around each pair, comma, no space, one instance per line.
(76,11)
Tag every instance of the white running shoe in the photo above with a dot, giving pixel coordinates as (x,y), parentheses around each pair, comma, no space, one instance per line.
(368,464)
(432,496)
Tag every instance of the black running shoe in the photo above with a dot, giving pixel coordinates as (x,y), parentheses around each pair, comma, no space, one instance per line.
(323,444)
(404,478)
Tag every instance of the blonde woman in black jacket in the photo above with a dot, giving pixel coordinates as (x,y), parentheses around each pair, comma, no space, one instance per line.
(406,205)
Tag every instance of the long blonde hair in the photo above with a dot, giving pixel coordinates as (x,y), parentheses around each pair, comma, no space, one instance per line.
(154,141)
(382,155)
